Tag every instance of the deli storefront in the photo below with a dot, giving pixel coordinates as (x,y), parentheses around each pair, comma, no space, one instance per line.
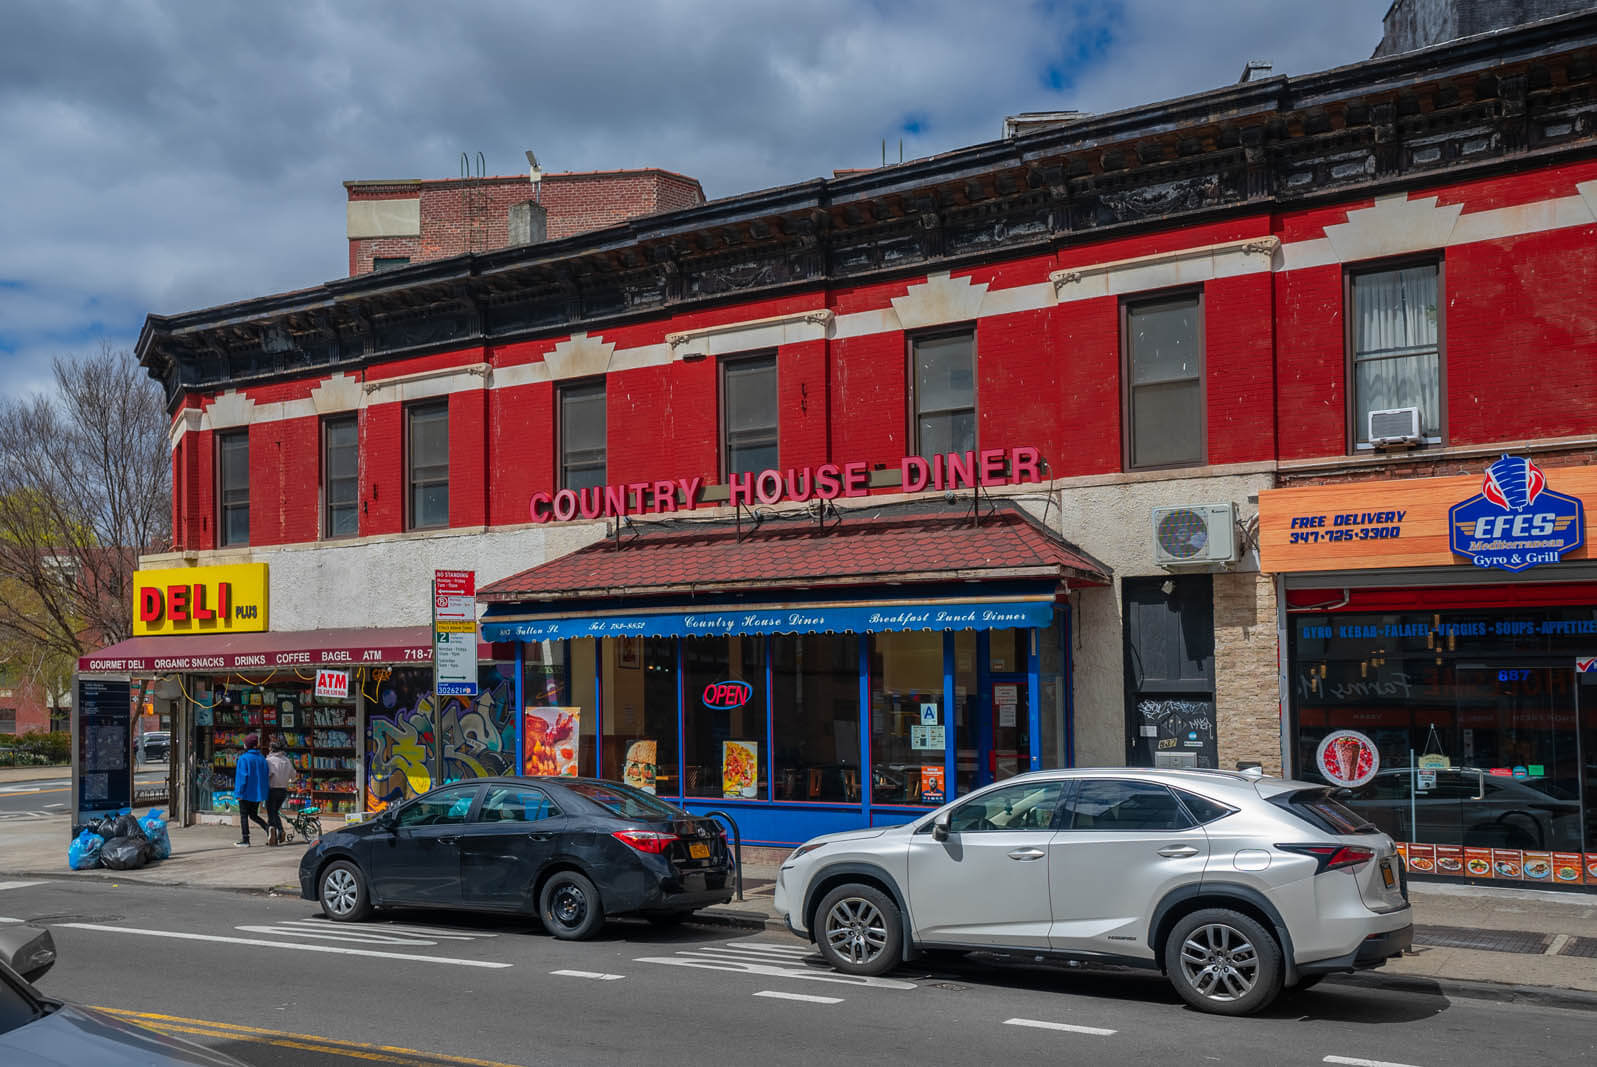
(805,677)
(1440,663)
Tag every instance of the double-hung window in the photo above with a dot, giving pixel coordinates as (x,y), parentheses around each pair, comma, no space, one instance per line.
(427,465)
(340,481)
(1395,342)
(582,436)
(233,488)
(1164,382)
(943,392)
(749,404)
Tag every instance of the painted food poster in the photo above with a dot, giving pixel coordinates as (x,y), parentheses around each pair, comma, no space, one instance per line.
(1566,868)
(1422,858)
(549,740)
(1450,860)
(1506,862)
(1591,868)
(1478,862)
(640,769)
(740,768)
(1537,866)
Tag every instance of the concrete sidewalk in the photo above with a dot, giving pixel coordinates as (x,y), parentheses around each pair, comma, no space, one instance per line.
(1498,943)
(51,772)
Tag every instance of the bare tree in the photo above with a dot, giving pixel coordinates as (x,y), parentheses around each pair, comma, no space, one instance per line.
(85,477)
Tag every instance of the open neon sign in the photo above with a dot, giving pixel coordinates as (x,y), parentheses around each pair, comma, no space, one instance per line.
(724,696)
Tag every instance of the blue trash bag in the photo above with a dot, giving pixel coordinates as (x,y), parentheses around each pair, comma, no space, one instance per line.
(154,828)
(84,852)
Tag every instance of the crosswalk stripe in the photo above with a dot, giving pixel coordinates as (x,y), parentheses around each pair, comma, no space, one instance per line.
(313,925)
(339,950)
(1040,1024)
(348,934)
(598,976)
(777,994)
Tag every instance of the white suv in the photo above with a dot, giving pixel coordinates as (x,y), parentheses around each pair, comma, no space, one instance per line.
(1234,885)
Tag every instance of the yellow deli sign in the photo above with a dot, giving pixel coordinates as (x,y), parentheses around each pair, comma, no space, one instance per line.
(200,600)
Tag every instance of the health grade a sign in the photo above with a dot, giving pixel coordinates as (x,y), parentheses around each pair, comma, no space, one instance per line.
(1516,522)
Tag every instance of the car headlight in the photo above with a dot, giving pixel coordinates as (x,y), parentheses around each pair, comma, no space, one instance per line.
(805,848)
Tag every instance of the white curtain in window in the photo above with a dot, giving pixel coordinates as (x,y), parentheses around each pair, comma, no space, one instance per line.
(1395,355)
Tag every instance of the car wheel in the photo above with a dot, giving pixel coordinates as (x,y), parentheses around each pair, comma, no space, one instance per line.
(1223,961)
(859,931)
(342,892)
(570,907)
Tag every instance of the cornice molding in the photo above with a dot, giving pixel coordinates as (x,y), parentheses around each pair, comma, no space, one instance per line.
(813,324)
(1183,266)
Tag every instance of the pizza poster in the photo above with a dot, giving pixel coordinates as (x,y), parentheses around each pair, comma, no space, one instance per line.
(740,769)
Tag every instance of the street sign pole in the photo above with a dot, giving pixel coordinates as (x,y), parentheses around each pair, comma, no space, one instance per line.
(438,704)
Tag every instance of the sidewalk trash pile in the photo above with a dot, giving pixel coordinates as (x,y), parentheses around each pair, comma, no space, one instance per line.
(122,842)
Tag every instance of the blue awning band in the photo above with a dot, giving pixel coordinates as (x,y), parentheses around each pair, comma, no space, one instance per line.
(802,619)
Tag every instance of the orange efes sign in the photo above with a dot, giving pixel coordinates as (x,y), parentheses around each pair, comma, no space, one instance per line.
(1423,522)
(200,600)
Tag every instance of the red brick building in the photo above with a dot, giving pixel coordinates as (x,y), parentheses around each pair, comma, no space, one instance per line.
(1376,276)
(394,223)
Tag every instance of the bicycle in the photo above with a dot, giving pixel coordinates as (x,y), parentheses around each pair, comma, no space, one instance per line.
(306,823)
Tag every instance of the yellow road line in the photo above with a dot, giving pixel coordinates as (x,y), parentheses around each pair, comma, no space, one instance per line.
(307,1042)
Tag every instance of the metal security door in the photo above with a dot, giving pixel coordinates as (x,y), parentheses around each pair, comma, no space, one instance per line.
(1169,655)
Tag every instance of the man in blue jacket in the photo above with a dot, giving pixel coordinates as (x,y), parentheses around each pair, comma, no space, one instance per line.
(250,779)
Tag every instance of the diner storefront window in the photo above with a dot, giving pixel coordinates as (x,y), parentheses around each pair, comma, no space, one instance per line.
(906,673)
(815,717)
(723,717)
(1486,736)
(640,714)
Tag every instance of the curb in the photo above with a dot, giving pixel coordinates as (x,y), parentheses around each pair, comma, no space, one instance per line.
(103,875)
(1471,989)
(748,920)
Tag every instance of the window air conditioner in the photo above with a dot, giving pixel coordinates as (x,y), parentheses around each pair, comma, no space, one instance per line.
(1199,533)
(1395,428)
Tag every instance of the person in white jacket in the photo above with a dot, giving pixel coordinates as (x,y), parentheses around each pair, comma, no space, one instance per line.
(280,775)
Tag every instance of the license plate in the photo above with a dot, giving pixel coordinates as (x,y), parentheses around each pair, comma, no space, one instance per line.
(700,851)
(1386,874)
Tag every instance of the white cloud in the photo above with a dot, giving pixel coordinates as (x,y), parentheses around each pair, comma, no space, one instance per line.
(163,156)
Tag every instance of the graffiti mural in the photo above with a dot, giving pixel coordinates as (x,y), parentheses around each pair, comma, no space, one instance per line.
(479,733)
(400,741)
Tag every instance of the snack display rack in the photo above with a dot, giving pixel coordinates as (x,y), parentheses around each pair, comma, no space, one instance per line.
(320,734)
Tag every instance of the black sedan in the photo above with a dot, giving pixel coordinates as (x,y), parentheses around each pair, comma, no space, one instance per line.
(571,850)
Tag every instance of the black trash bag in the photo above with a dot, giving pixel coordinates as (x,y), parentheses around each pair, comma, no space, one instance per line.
(125,853)
(105,827)
(127,825)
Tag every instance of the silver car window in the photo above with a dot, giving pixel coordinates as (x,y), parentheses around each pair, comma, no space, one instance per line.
(1120,805)
(1027,806)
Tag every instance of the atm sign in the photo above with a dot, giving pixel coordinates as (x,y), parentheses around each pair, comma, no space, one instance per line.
(200,600)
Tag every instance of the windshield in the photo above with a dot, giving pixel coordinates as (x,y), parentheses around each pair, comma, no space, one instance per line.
(625,801)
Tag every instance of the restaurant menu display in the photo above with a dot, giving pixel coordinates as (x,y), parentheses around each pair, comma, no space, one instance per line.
(1500,864)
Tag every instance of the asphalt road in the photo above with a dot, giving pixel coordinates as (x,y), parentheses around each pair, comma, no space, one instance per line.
(53,796)
(271,982)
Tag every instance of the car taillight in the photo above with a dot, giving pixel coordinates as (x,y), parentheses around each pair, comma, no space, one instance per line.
(1332,857)
(645,840)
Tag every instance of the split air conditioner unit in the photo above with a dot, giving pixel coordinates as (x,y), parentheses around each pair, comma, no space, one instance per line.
(1195,534)
(1395,428)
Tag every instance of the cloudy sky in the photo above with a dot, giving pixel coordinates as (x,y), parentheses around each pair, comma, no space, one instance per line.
(166,155)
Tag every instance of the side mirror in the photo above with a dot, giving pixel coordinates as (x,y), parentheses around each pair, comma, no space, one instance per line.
(940,827)
(28,950)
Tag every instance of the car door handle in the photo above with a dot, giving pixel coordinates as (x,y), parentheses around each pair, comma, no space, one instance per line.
(449,840)
(1178,851)
(540,835)
(1027,854)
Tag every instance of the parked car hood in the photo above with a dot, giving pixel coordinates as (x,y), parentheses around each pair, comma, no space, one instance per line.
(848,835)
(72,1036)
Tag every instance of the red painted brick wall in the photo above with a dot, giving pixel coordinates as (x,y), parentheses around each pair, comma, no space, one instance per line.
(1311,383)
(1239,368)
(382,469)
(1089,404)
(521,449)
(802,396)
(869,400)
(468,458)
(1018,394)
